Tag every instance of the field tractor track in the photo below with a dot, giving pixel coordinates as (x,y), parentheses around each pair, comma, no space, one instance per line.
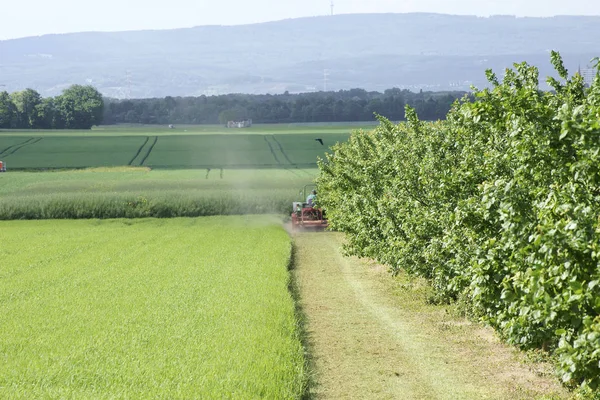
(285,166)
(16,145)
(272,150)
(20,146)
(281,149)
(149,150)
(291,163)
(139,150)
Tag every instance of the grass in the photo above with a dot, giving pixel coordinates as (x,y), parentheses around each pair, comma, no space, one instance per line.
(47,151)
(240,151)
(373,337)
(140,192)
(71,152)
(146,309)
(161,130)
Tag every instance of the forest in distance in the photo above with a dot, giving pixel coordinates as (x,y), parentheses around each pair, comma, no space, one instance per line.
(81,107)
(340,106)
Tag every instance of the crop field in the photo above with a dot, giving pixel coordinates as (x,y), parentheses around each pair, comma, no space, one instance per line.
(49,151)
(130,192)
(159,130)
(69,152)
(137,172)
(239,151)
(177,308)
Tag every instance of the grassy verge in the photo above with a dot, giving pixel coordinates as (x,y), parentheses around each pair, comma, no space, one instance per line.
(182,308)
(372,337)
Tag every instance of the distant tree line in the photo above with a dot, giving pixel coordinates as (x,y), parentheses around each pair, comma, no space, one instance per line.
(81,107)
(341,106)
(78,107)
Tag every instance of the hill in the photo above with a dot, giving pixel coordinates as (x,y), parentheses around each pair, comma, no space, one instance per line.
(371,51)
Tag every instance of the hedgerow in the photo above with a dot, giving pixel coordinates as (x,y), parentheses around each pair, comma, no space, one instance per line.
(499,205)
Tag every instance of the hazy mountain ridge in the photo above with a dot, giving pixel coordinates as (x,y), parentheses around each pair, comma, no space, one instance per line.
(371,51)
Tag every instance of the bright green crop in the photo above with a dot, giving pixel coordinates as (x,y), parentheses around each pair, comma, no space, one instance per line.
(148,309)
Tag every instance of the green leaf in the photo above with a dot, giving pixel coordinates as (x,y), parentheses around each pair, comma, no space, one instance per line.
(563,134)
(576,286)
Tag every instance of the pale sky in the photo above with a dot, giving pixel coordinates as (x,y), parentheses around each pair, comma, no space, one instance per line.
(21,18)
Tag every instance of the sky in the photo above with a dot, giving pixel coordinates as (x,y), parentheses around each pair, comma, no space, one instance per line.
(21,18)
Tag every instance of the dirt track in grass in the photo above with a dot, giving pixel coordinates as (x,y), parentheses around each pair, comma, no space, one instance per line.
(370,336)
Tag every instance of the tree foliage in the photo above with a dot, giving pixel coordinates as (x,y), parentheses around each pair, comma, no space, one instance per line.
(26,108)
(498,205)
(8,112)
(79,107)
(344,105)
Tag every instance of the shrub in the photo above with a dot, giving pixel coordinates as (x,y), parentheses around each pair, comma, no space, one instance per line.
(499,205)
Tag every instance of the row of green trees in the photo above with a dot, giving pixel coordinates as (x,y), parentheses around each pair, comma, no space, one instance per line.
(78,107)
(499,206)
(81,107)
(344,105)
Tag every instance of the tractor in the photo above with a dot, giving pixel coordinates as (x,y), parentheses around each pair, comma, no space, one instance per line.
(307,217)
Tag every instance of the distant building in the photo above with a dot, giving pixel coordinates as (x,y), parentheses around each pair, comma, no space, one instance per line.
(245,123)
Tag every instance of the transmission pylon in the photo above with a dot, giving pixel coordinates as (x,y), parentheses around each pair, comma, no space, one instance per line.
(325,79)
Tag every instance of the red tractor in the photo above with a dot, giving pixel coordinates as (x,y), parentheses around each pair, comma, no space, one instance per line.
(307,217)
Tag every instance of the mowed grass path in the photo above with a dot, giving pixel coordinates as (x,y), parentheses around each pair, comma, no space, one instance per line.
(180,308)
(371,336)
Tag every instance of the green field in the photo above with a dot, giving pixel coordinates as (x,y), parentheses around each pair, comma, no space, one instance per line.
(161,130)
(141,192)
(179,308)
(68,152)
(186,151)
(262,146)
(132,172)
